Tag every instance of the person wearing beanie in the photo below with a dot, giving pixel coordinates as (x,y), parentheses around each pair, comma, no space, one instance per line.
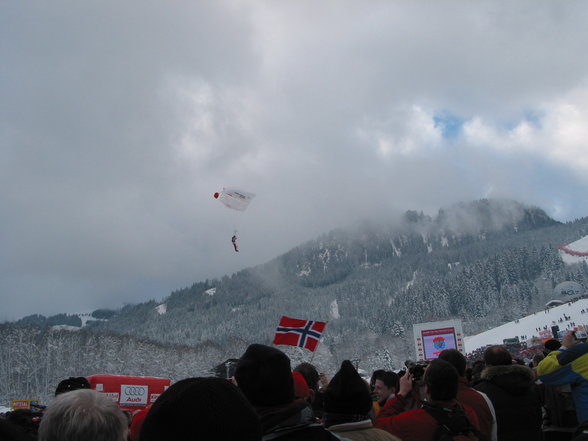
(264,376)
(200,409)
(441,409)
(72,383)
(347,403)
(551,345)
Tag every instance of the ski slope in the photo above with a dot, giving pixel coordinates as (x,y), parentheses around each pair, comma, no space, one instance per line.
(575,252)
(527,326)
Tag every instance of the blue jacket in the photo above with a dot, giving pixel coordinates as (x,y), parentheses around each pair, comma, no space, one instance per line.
(569,366)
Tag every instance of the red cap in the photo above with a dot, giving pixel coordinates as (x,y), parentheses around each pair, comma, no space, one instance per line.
(301,389)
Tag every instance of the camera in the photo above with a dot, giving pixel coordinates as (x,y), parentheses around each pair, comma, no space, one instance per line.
(580,335)
(416,369)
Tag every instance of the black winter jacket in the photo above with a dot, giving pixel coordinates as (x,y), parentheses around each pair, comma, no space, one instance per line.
(515,397)
(292,422)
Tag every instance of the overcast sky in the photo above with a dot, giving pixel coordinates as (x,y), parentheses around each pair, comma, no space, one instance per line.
(119,120)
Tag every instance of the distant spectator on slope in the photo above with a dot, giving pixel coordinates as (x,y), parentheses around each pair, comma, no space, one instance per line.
(201,409)
(264,376)
(512,390)
(475,399)
(83,415)
(347,405)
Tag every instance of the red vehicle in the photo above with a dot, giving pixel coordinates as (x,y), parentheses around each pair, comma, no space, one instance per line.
(130,393)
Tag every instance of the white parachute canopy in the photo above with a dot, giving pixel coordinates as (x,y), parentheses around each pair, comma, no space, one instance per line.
(235,198)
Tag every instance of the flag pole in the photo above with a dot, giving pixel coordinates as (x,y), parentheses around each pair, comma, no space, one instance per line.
(324,333)
(313,352)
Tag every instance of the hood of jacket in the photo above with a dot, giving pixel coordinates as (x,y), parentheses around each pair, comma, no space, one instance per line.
(277,418)
(514,378)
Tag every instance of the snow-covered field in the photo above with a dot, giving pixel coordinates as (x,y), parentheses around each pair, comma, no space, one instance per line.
(528,326)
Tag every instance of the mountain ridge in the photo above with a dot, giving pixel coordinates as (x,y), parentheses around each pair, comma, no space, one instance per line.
(334,256)
(370,281)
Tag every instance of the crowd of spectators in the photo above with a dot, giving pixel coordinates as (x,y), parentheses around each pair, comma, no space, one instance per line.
(494,397)
(519,352)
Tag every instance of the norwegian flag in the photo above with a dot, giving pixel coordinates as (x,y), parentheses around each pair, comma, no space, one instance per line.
(297,332)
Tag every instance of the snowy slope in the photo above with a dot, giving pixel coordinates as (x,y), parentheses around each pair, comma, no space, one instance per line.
(86,318)
(527,326)
(575,252)
(65,328)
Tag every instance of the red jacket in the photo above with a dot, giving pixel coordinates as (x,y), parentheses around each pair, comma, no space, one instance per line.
(412,425)
(474,399)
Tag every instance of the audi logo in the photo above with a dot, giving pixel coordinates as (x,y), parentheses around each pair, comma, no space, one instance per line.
(135,391)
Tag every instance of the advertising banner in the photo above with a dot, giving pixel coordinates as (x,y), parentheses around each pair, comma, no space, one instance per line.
(130,393)
(22,404)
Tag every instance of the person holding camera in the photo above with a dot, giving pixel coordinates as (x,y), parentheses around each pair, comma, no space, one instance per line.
(417,393)
(440,411)
(569,365)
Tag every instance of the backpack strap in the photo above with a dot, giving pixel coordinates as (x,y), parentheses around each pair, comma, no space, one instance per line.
(453,420)
(276,435)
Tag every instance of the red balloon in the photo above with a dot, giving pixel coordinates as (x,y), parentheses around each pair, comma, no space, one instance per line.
(216,195)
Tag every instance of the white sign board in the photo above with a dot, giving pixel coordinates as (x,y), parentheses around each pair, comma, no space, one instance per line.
(134,395)
(433,337)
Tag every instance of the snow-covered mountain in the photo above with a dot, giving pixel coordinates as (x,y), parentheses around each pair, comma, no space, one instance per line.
(488,263)
(485,262)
